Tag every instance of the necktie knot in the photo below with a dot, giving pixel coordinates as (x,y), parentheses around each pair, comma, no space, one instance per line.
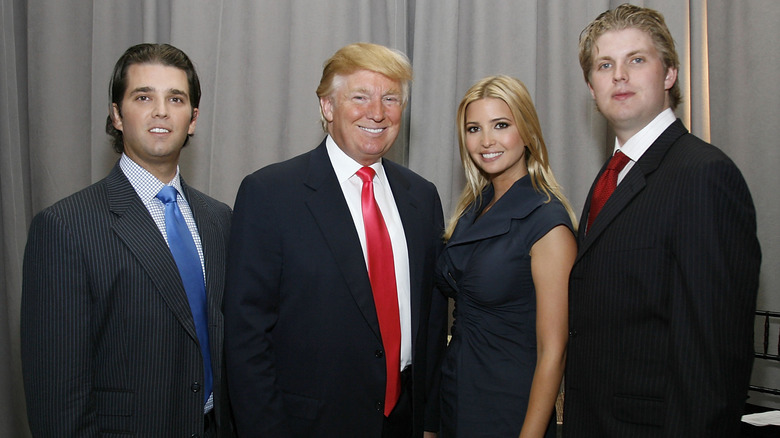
(167,194)
(366,174)
(618,161)
(606,185)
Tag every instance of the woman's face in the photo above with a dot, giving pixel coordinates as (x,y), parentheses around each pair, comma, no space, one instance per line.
(493,141)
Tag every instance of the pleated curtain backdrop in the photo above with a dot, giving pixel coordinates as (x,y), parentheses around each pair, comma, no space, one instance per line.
(260,61)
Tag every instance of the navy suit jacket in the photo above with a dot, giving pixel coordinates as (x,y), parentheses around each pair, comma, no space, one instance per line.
(662,298)
(303,349)
(107,335)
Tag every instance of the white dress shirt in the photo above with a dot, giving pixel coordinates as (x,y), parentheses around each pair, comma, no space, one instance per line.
(640,142)
(351,185)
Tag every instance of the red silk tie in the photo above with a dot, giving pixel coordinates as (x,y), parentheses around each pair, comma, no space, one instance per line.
(381,273)
(606,185)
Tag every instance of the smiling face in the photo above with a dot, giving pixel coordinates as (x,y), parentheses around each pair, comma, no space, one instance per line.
(493,141)
(629,81)
(156,117)
(364,114)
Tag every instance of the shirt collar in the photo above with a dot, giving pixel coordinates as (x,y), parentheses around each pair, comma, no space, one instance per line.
(640,142)
(344,166)
(145,184)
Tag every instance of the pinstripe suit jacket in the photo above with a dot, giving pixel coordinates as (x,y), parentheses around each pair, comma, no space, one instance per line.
(108,340)
(662,296)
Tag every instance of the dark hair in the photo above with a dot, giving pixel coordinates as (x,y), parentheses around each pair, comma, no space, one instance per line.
(164,54)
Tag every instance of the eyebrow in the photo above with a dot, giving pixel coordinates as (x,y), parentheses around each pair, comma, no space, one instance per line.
(497,119)
(363,90)
(173,91)
(628,55)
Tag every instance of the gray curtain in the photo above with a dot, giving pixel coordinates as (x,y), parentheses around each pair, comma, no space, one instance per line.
(260,61)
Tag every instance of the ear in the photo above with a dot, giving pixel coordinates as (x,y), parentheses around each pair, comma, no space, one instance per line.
(116,117)
(592,93)
(193,122)
(326,105)
(670,79)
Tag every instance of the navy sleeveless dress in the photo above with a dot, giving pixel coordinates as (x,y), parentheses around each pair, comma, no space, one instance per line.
(486,267)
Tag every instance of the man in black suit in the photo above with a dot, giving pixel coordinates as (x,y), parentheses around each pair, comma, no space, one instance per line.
(663,289)
(308,350)
(110,345)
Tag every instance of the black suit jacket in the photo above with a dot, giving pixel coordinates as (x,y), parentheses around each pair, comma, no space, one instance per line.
(662,296)
(303,349)
(107,335)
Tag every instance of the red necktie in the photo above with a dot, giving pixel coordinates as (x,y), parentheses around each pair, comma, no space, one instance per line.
(381,273)
(606,185)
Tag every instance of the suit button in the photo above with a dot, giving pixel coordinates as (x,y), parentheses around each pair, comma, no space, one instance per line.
(379,354)
(195,387)
(572,333)
(379,406)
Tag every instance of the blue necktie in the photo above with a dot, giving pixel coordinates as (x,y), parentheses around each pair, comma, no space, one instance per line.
(187,260)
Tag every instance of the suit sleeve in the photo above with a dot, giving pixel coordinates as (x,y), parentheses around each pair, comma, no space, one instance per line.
(251,305)
(56,342)
(718,255)
(437,330)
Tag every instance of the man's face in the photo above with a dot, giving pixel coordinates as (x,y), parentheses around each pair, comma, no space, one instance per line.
(156,115)
(364,114)
(629,81)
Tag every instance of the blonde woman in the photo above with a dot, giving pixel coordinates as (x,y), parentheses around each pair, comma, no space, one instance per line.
(510,247)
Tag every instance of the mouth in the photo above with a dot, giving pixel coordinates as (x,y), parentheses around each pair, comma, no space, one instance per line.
(159,131)
(372,130)
(623,95)
(491,155)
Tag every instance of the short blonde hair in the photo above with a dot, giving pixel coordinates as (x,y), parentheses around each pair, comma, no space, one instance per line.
(628,16)
(364,56)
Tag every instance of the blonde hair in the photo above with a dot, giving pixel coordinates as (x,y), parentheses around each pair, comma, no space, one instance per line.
(517,98)
(628,16)
(364,56)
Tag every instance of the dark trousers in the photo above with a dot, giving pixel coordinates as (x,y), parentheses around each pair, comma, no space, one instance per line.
(209,425)
(399,423)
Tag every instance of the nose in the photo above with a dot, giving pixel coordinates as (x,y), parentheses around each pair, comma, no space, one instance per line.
(487,139)
(619,74)
(160,109)
(375,110)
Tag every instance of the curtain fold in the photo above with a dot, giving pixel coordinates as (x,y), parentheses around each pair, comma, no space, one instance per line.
(260,60)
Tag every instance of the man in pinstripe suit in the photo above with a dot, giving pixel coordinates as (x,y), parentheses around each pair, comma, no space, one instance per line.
(109,343)
(663,289)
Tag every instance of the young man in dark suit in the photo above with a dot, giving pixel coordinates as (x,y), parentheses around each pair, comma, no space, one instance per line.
(121,323)
(321,340)
(663,289)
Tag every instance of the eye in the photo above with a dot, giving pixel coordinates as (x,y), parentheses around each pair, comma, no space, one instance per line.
(502,125)
(604,65)
(638,60)
(393,100)
(177,100)
(143,98)
(472,129)
(359,98)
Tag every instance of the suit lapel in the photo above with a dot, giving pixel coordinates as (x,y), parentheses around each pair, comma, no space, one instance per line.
(408,209)
(329,208)
(135,227)
(633,183)
(214,259)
